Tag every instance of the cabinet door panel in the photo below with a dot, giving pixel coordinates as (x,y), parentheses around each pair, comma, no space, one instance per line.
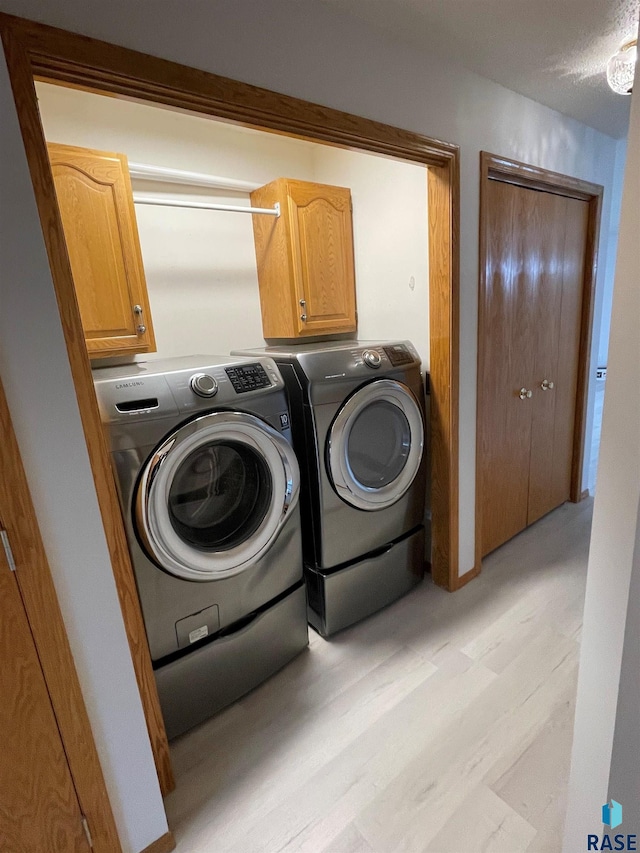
(324,243)
(88,211)
(96,207)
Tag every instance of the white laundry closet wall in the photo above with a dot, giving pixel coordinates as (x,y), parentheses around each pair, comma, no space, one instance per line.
(200,265)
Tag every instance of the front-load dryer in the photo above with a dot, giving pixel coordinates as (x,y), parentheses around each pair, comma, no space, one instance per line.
(209,484)
(357,411)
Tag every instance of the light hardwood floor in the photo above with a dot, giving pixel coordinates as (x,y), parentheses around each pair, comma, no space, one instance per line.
(442,723)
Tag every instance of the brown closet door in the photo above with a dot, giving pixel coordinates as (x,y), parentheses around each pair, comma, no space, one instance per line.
(530,323)
(559,304)
(514,228)
(39,809)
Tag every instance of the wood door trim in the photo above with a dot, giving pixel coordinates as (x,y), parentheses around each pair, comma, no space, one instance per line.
(586,333)
(165,844)
(33,575)
(464,579)
(496,168)
(443,210)
(17,51)
(60,56)
(35,50)
(535,178)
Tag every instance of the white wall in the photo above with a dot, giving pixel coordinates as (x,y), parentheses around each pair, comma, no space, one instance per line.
(306,49)
(613,536)
(201,266)
(36,376)
(624,778)
(613,227)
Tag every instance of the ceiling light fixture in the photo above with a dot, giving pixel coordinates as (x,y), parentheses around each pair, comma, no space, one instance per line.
(622,67)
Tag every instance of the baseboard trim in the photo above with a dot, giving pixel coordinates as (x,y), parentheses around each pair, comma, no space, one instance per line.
(164,844)
(464,579)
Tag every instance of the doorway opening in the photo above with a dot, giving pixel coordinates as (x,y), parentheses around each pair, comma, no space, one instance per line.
(36,52)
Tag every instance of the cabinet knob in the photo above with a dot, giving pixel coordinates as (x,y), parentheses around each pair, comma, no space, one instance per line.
(524,394)
(303,317)
(137,309)
(546,385)
(141,329)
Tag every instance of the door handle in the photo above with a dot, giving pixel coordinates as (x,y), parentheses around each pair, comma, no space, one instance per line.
(524,394)
(546,385)
(140,327)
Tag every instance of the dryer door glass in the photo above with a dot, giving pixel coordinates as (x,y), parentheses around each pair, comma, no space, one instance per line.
(220,495)
(379,444)
(375,445)
(214,495)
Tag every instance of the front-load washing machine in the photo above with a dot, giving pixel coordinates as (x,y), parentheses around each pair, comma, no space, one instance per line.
(357,413)
(209,485)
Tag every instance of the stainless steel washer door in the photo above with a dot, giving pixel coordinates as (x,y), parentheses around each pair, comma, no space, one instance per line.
(215,494)
(375,445)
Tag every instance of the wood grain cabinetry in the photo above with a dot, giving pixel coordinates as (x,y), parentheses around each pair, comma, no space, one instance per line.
(531,322)
(40,808)
(96,206)
(305,259)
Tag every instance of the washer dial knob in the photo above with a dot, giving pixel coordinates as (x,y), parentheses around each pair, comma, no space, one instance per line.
(203,385)
(371,358)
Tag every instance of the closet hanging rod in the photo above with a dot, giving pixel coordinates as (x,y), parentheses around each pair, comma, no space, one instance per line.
(144,172)
(140,198)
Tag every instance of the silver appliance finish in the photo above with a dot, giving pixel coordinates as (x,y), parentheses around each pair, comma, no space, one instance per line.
(211,609)
(354,403)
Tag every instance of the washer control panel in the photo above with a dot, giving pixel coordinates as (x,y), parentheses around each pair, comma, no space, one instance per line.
(153,390)
(248,377)
(203,384)
(372,358)
(398,354)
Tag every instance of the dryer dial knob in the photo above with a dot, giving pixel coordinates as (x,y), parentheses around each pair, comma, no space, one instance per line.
(371,358)
(203,385)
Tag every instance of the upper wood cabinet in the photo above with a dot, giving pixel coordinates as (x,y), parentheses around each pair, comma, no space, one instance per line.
(305,259)
(96,205)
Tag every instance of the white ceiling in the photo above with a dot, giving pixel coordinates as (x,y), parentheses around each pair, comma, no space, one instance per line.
(554,51)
